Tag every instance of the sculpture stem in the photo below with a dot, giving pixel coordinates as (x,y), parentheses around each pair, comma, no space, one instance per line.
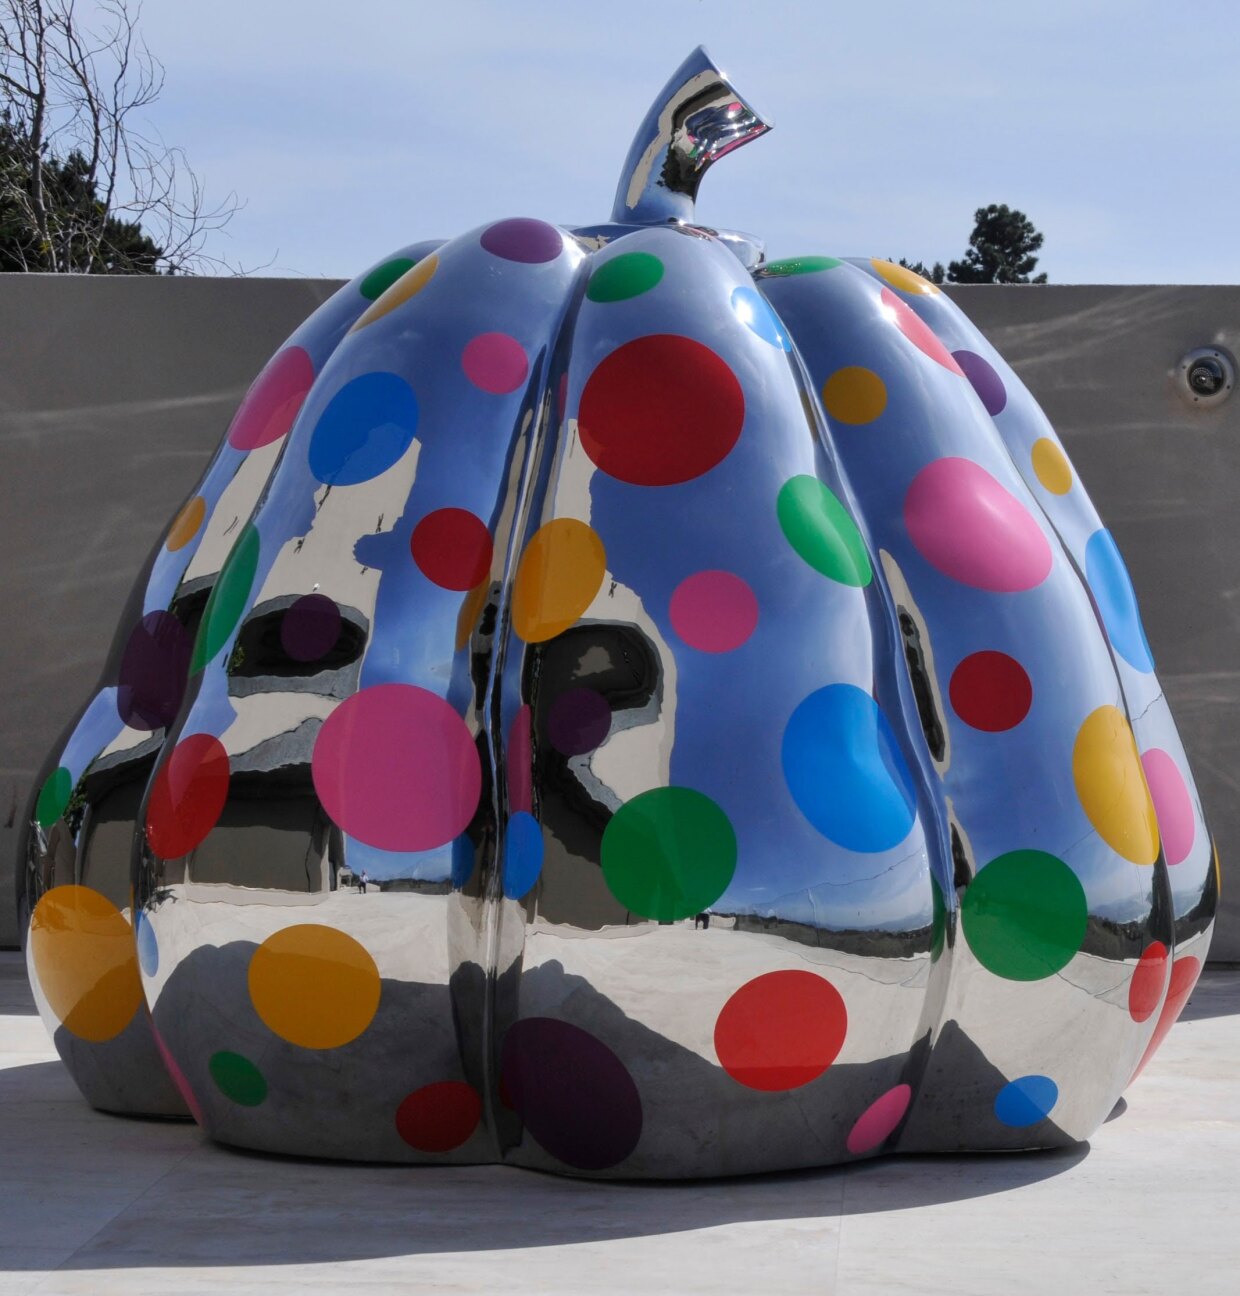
(695,120)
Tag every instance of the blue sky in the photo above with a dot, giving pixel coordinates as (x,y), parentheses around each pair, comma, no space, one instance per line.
(352,128)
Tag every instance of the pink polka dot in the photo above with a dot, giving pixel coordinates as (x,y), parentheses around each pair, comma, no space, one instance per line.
(876,1123)
(395,767)
(272,403)
(714,611)
(178,1077)
(521,762)
(495,362)
(918,332)
(1172,804)
(973,529)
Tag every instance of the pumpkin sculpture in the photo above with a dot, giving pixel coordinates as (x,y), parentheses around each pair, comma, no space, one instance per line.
(716,669)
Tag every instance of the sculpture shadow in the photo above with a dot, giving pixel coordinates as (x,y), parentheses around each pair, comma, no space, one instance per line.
(1217,994)
(150,1180)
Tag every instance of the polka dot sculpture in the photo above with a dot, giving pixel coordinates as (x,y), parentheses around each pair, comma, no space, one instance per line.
(621,705)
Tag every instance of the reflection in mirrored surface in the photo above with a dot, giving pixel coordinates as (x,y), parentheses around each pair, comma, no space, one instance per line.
(622,706)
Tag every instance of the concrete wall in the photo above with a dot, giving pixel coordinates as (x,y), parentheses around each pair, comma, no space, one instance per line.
(114,392)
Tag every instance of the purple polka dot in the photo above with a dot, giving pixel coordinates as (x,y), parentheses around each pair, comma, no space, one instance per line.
(578,721)
(153,671)
(310,627)
(522,239)
(573,1093)
(987,383)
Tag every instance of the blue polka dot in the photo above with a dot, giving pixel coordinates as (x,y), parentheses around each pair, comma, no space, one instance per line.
(1117,602)
(367,425)
(148,946)
(1026,1100)
(753,310)
(523,854)
(845,771)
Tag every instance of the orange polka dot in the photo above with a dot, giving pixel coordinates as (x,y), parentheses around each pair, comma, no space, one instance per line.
(903,278)
(1051,466)
(560,572)
(83,952)
(471,610)
(314,986)
(185,526)
(408,285)
(854,395)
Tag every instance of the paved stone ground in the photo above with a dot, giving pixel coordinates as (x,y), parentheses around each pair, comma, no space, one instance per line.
(100,1205)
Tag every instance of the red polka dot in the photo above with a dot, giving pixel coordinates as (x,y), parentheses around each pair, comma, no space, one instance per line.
(781,1030)
(452,547)
(272,403)
(439,1117)
(918,332)
(991,691)
(189,794)
(1184,974)
(659,410)
(1148,978)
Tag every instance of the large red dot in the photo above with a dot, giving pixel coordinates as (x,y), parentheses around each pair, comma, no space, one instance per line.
(439,1117)
(991,691)
(1148,978)
(781,1030)
(452,547)
(659,410)
(189,794)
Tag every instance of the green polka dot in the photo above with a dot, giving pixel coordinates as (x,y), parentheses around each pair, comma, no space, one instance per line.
(1024,915)
(820,529)
(381,278)
(238,1078)
(625,276)
(53,797)
(668,853)
(228,598)
(799,265)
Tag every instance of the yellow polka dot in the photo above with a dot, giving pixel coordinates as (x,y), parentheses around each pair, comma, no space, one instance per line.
(903,278)
(408,285)
(1052,467)
(1111,786)
(83,952)
(1218,872)
(185,526)
(854,395)
(560,573)
(314,986)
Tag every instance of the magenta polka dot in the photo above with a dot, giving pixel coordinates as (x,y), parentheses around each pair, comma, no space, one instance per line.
(395,767)
(272,403)
(495,362)
(521,762)
(1172,804)
(714,611)
(876,1124)
(973,529)
(523,239)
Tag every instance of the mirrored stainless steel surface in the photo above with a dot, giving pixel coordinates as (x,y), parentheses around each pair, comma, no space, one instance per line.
(622,707)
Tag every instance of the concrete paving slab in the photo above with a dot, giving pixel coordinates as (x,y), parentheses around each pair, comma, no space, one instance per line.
(103,1205)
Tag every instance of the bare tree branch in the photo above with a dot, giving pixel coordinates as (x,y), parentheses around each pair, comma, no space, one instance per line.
(93,186)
